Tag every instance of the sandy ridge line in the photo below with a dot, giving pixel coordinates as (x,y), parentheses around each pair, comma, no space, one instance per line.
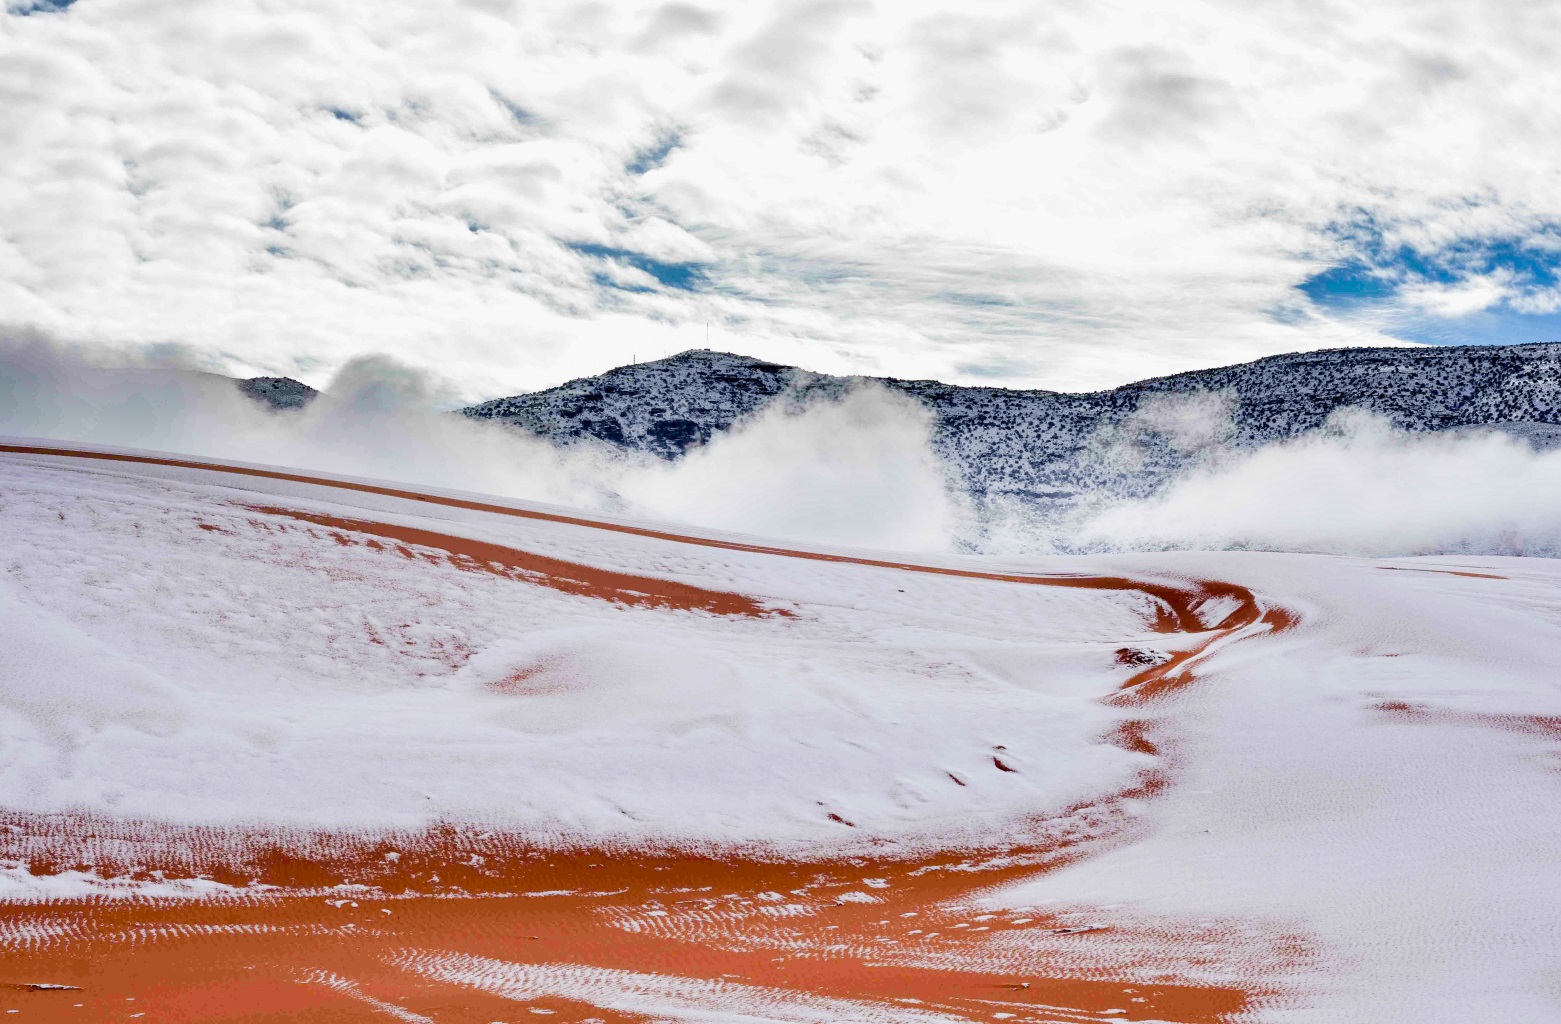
(1177,600)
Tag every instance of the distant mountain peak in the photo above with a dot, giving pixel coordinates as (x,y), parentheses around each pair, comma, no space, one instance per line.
(278,392)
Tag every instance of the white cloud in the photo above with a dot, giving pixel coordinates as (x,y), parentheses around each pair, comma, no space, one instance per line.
(1057,195)
(854,471)
(1357,487)
(1470,296)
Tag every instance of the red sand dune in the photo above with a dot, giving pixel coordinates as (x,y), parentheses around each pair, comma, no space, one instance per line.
(459,903)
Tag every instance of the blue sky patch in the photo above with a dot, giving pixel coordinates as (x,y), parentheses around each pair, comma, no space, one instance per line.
(521,115)
(654,155)
(1488,327)
(1348,286)
(1374,283)
(682,276)
(25,7)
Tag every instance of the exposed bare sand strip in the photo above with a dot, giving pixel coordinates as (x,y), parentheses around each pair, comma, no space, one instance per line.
(568,577)
(1443,572)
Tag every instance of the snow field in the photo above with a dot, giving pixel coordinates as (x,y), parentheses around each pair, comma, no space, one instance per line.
(176,656)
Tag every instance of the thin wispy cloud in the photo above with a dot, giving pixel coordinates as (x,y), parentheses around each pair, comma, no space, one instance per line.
(1059,195)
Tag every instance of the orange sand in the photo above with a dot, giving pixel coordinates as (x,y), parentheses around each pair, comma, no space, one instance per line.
(568,577)
(677,916)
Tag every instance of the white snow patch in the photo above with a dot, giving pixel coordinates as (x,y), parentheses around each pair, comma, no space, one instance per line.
(654,995)
(19,885)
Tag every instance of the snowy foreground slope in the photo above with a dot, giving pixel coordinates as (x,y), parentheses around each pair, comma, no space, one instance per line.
(1050,451)
(280,748)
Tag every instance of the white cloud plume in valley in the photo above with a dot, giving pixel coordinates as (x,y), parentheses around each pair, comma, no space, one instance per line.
(1357,486)
(1064,196)
(380,419)
(854,471)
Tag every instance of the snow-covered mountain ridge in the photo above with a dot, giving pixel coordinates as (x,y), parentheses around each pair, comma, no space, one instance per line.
(1047,449)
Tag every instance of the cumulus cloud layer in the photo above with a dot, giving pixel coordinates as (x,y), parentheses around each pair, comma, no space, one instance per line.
(1060,195)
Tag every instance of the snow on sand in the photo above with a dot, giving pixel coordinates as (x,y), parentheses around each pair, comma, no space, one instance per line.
(1327,793)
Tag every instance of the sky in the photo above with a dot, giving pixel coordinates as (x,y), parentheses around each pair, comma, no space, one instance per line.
(1069,195)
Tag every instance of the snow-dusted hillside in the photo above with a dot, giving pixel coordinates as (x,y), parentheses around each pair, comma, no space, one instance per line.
(1046,449)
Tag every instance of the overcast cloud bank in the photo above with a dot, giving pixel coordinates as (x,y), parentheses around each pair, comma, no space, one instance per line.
(1067,196)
